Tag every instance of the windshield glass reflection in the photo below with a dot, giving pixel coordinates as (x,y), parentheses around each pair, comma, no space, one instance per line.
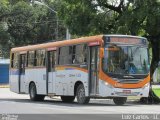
(121,59)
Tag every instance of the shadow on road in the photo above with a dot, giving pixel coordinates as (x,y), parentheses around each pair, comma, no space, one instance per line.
(93,103)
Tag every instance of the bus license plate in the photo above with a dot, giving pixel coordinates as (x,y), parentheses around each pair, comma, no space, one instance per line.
(127,91)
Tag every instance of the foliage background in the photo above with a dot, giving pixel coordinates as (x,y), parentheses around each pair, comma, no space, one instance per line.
(22,22)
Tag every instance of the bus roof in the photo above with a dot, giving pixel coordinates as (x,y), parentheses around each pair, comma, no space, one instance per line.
(59,43)
(69,42)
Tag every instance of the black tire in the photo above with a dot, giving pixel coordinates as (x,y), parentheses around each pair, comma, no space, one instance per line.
(41,97)
(81,98)
(67,99)
(33,93)
(120,100)
(144,100)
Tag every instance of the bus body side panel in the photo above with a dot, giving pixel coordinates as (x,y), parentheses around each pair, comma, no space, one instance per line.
(107,90)
(14,80)
(51,82)
(38,76)
(66,79)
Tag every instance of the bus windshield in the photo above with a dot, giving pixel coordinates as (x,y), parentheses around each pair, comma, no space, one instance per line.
(124,59)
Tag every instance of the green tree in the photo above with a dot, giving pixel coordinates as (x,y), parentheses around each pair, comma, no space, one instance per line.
(135,17)
(23,23)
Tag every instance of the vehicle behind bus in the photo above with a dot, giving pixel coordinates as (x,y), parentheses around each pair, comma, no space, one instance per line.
(104,66)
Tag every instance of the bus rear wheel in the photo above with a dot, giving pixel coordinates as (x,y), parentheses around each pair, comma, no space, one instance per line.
(120,100)
(33,93)
(81,98)
(67,99)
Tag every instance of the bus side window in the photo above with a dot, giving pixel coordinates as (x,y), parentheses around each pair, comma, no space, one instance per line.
(12,59)
(64,56)
(43,57)
(85,52)
(74,54)
(61,59)
(70,55)
(81,54)
(40,58)
(31,58)
(72,51)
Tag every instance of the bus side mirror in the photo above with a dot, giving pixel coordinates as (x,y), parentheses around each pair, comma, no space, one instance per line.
(101,52)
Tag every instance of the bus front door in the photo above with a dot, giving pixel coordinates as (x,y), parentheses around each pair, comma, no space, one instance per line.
(51,71)
(22,64)
(93,70)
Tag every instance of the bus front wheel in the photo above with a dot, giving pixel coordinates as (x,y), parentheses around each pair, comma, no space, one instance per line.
(33,93)
(81,98)
(120,100)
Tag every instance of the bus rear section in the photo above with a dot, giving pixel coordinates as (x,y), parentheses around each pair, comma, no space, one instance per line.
(108,66)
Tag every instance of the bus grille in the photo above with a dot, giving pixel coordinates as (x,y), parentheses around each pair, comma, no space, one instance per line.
(130,81)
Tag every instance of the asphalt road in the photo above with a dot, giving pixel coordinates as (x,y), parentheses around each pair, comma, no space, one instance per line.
(15,104)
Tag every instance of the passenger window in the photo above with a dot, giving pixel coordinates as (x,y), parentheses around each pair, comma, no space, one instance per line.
(64,57)
(40,58)
(14,60)
(76,54)
(31,58)
(81,54)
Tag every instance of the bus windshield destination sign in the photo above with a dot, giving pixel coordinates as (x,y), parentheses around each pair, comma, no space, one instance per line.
(126,40)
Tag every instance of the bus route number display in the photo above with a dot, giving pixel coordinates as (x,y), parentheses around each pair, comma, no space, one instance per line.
(126,40)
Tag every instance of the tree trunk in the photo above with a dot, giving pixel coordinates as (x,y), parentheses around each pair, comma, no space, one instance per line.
(155,57)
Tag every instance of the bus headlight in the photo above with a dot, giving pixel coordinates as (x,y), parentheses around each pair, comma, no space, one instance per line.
(108,85)
(146,85)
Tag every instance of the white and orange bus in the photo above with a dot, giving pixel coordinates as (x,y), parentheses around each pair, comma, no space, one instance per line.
(103,66)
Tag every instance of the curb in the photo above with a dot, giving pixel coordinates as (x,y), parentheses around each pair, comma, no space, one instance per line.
(4,86)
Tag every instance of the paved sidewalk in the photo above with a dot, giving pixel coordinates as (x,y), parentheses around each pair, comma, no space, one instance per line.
(5,93)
